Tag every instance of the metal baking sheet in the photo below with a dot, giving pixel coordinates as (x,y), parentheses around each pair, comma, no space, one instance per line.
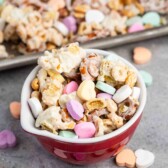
(104,43)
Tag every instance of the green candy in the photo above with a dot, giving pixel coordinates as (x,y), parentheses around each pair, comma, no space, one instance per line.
(133,20)
(1,2)
(152,18)
(68,134)
(111,57)
(105,87)
(147,77)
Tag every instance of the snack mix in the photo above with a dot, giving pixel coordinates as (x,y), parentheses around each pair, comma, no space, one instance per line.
(36,26)
(81,95)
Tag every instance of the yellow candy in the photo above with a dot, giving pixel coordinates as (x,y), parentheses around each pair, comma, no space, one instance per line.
(86,90)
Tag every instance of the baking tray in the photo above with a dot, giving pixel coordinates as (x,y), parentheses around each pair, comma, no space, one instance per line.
(104,43)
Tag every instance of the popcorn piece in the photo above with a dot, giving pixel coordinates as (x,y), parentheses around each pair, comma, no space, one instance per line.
(127,108)
(55,75)
(54,37)
(2,24)
(42,76)
(52,91)
(3,52)
(66,97)
(51,120)
(36,94)
(89,67)
(115,23)
(64,60)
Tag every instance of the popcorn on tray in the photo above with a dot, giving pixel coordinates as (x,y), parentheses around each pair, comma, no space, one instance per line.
(36,26)
(102,98)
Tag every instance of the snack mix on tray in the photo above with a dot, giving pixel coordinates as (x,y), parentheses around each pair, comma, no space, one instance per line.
(35,26)
(87,94)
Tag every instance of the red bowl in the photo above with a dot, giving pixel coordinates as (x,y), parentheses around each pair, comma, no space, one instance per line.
(82,151)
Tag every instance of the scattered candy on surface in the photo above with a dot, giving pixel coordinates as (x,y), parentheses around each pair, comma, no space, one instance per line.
(7,139)
(15,108)
(142,55)
(126,158)
(144,158)
(147,77)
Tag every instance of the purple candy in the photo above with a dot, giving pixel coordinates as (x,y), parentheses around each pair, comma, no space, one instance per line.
(75,109)
(104,95)
(70,23)
(7,139)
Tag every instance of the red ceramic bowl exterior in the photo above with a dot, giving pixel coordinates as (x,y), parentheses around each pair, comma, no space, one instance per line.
(83,154)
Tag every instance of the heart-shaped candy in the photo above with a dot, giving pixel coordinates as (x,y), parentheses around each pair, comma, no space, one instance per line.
(142,55)
(86,90)
(126,158)
(7,139)
(144,158)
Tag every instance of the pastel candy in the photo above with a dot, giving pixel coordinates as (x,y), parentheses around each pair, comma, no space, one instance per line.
(105,87)
(147,77)
(136,92)
(70,23)
(85,130)
(1,2)
(75,109)
(61,28)
(68,134)
(15,109)
(70,87)
(136,19)
(152,18)
(94,16)
(144,158)
(86,90)
(122,93)
(7,139)
(136,28)
(35,106)
(142,55)
(104,95)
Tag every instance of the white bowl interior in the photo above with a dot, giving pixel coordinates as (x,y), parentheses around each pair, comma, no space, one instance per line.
(28,121)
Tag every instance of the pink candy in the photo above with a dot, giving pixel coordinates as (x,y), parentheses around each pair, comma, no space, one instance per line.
(70,87)
(85,130)
(135,28)
(104,95)
(70,23)
(75,109)
(7,139)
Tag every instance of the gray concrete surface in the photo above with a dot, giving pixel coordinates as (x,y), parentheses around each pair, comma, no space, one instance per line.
(151,134)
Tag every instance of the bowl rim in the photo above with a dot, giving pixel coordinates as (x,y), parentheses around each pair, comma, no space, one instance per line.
(25,108)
